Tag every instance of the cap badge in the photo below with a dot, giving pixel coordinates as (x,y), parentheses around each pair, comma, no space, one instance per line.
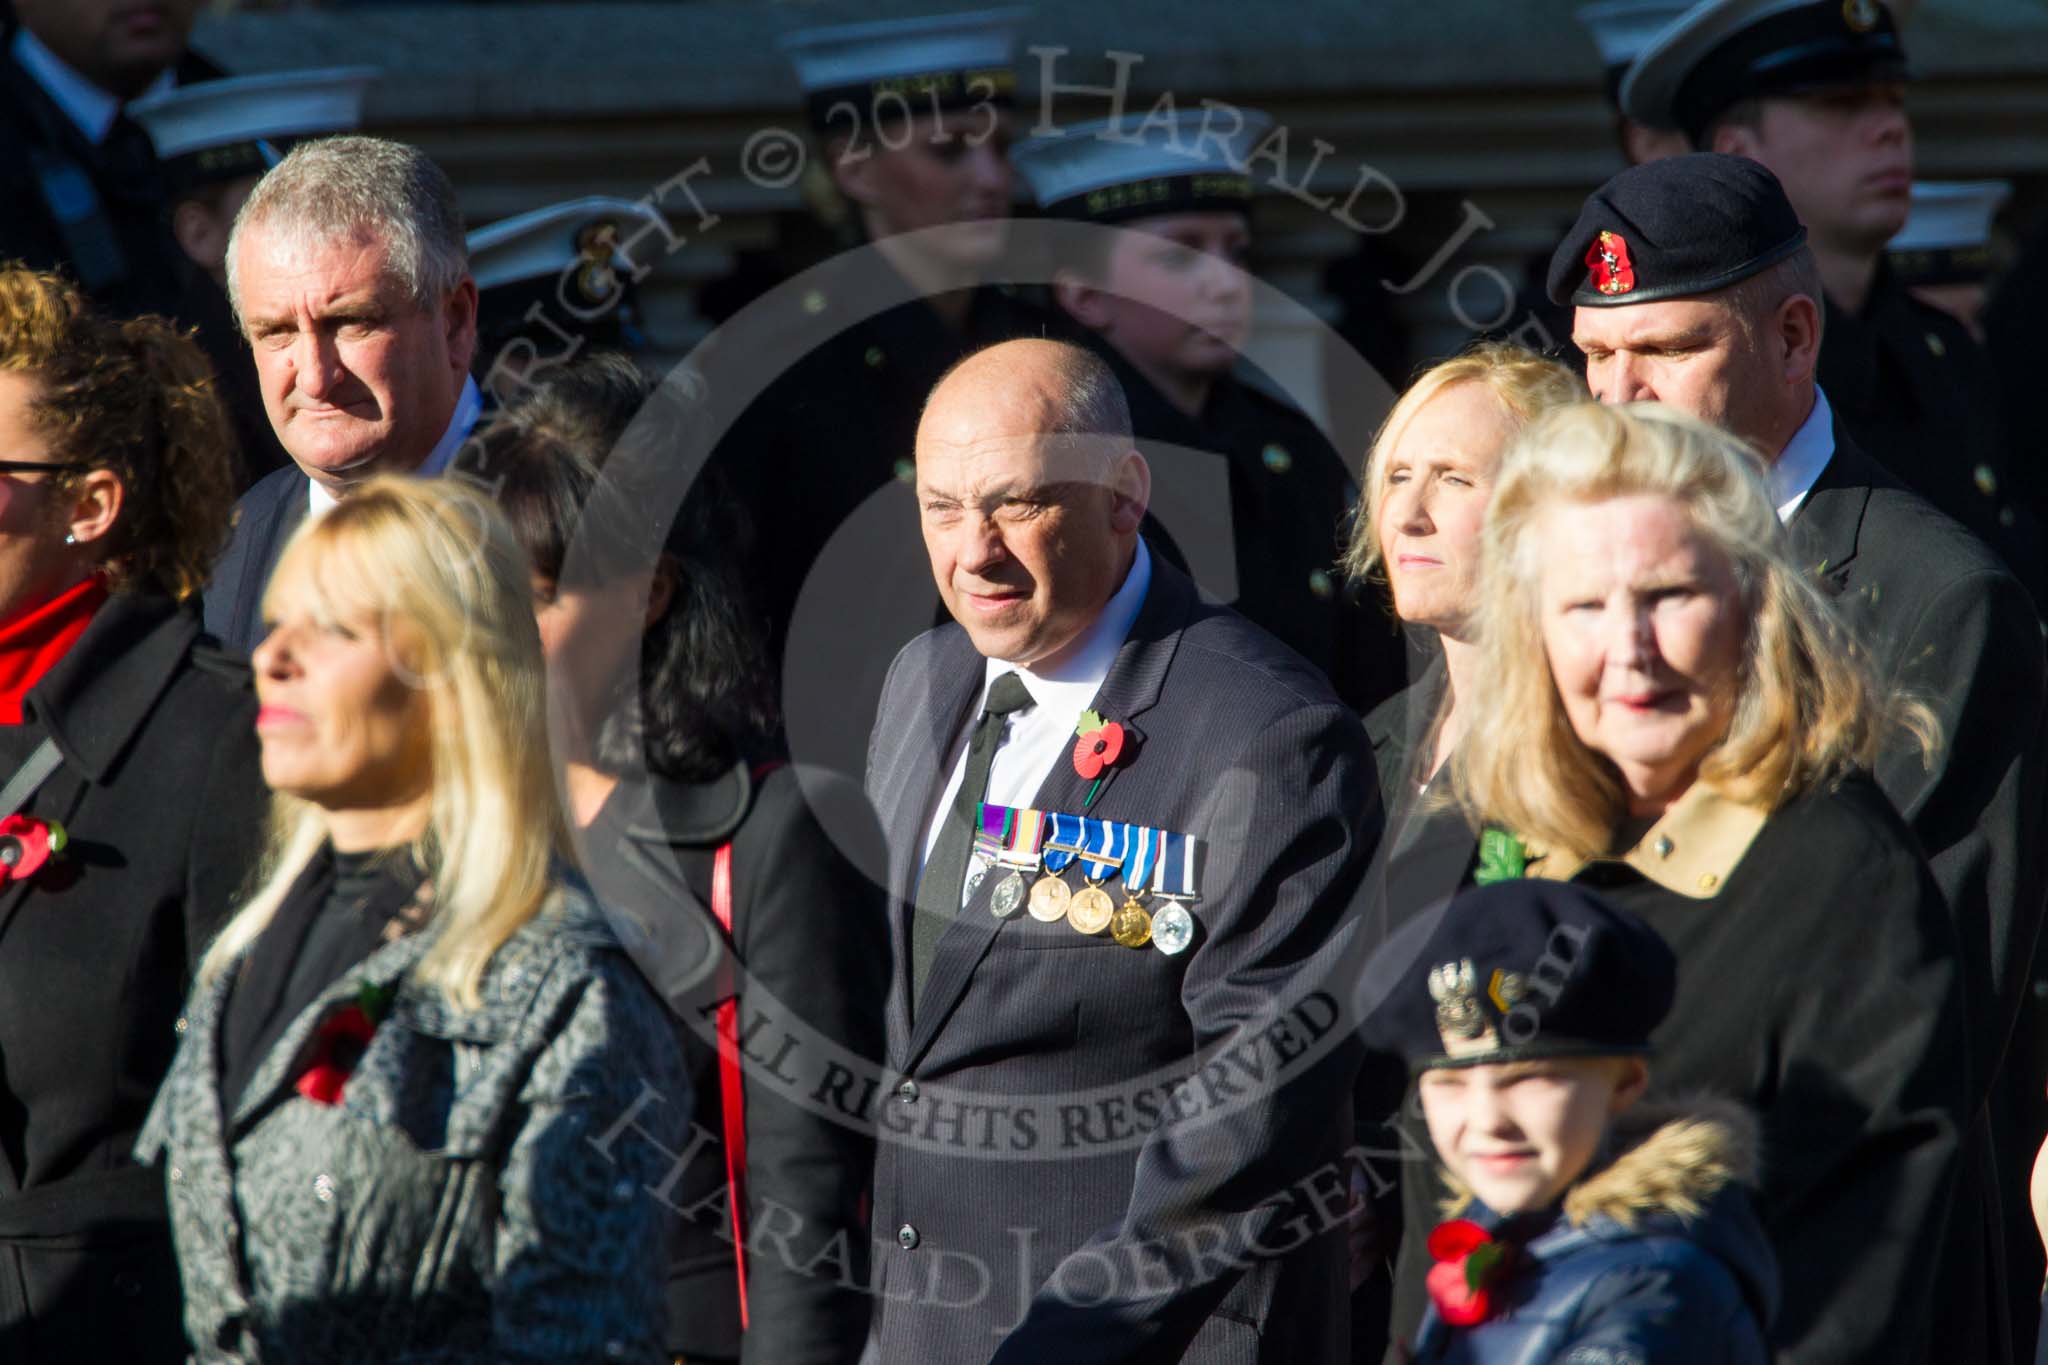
(1862,15)
(1607,258)
(1455,988)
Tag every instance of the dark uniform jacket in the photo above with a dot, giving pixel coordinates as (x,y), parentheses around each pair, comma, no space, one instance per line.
(1916,390)
(1818,983)
(265,518)
(96,212)
(1291,499)
(1064,1161)
(163,798)
(809,933)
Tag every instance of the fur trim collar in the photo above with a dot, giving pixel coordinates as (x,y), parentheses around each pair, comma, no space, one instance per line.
(1671,1158)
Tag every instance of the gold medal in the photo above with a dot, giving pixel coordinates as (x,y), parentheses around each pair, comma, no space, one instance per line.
(1131,926)
(1049,897)
(1091,910)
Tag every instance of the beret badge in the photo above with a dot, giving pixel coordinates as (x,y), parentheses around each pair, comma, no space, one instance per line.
(1455,988)
(1862,15)
(1607,258)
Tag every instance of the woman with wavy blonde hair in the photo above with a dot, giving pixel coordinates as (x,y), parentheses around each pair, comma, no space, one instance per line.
(137,810)
(1667,711)
(421,1010)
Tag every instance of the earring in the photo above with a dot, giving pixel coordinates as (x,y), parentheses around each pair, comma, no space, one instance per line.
(70,538)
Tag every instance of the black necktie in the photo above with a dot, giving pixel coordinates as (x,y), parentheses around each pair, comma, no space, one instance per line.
(938,891)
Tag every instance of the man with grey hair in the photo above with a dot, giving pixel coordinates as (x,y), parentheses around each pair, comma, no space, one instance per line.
(1100,1211)
(349,275)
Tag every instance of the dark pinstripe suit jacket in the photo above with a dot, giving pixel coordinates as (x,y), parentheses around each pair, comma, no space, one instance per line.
(1097,1153)
(265,518)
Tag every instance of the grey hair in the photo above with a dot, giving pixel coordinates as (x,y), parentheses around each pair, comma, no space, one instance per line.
(335,187)
(1758,297)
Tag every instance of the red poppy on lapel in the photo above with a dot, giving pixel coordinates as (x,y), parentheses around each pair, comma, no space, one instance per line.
(1098,748)
(27,843)
(340,1043)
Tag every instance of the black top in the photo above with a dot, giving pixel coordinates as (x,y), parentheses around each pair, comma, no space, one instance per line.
(1917,392)
(1291,498)
(334,916)
(1819,987)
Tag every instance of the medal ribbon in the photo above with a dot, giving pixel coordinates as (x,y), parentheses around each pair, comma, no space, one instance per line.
(995,827)
(1138,866)
(1062,841)
(1103,848)
(1175,876)
(1021,848)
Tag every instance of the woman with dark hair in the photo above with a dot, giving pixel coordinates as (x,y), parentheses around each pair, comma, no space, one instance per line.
(744,877)
(131,802)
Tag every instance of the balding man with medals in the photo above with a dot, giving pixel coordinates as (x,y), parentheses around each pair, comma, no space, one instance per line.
(1107,1136)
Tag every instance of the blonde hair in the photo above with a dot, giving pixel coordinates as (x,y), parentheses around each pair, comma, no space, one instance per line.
(1525,384)
(434,561)
(1808,707)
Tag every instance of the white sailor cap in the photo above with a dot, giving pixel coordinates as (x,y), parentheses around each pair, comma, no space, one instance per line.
(1623,31)
(1720,52)
(212,131)
(1112,170)
(900,67)
(1947,236)
(577,242)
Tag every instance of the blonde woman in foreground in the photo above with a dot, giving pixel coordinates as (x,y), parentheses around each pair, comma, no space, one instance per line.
(422,1092)
(1667,712)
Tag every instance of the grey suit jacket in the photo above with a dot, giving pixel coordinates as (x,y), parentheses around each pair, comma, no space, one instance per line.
(1097,1153)
(265,518)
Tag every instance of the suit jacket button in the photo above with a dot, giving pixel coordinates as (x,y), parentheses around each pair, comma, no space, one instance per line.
(907,1092)
(907,1238)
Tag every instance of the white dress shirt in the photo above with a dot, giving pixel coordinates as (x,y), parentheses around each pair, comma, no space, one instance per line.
(84,103)
(467,408)
(1795,472)
(1041,736)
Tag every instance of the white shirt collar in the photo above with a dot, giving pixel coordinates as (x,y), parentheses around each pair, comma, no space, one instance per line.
(467,409)
(1798,468)
(1075,680)
(85,104)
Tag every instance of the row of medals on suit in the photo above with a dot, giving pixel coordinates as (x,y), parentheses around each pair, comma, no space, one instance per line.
(1169,928)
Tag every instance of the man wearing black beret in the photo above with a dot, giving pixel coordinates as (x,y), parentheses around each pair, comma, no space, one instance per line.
(1693,284)
(1815,90)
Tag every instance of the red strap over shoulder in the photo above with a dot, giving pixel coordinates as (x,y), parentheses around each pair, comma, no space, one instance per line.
(732,1096)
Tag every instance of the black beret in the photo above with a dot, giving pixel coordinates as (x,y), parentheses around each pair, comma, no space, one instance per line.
(1719,54)
(1516,970)
(1673,228)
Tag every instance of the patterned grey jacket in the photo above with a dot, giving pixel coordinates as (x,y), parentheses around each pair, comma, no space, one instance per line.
(482,1192)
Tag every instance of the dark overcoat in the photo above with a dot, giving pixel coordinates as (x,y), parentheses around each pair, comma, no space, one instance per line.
(162,794)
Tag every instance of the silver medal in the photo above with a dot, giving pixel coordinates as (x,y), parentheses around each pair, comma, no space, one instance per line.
(1009,896)
(1173,929)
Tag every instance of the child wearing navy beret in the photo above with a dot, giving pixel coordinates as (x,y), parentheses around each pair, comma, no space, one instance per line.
(1589,1224)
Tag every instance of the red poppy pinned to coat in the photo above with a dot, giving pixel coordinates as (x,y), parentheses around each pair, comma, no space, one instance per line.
(1469,1266)
(1607,258)
(339,1045)
(26,844)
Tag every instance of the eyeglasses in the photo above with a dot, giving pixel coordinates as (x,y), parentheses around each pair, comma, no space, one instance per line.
(42,466)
